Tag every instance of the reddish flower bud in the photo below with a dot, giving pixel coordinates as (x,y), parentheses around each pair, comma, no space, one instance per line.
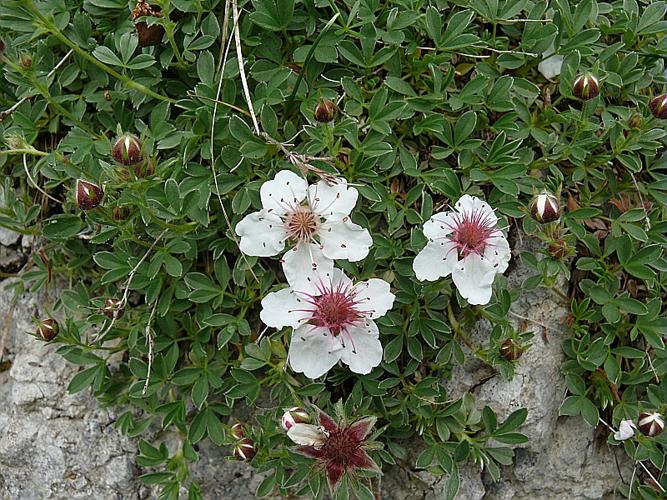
(48,329)
(295,415)
(148,35)
(325,111)
(2,46)
(25,61)
(120,213)
(545,207)
(237,431)
(650,424)
(244,449)
(112,308)
(145,168)
(511,350)
(636,120)
(88,195)
(658,106)
(127,150)
(586,87)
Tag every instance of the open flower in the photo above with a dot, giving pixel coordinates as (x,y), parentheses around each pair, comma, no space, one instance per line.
(337,450)
(333,323)
(315,219)
(626,429)
(467,244)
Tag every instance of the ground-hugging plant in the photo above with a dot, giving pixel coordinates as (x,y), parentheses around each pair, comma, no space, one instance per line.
(418,139)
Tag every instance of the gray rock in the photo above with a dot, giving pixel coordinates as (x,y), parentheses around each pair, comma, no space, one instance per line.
(52,444)
(56,445)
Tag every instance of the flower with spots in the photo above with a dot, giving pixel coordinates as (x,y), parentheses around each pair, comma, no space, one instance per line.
(314,219)
(332,323)
(467,244)
(338,450)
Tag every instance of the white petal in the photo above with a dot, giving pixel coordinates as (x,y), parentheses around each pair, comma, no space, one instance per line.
(286,189)
(470,204)
(625,430)
(498,253)
(307,435)
(551,66)
(374,296)
(473,277)
(345,240)
(283,308)
(313,351)
(439,225)
(262,234)
(339,278)
(436,260)
(305,266)
(362,349)
(336,199)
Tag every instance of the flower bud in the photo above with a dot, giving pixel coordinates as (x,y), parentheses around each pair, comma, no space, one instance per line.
(25,61)
(127,150)
(586,87)
(48,329)
(545,208)
(294,415)
(510,350)
(120,213)
(658,106)
(2,47)
(148,35)
(88,195)
(650,424)
(237,431)
(112,308)
(325,111)
(244,449)
(635,121)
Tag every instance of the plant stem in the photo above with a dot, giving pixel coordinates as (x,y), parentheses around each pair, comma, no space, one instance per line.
(128,82)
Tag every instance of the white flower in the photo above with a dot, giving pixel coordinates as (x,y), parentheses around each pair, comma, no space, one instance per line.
(315,219)
(333,323)
(307,435)
(626,429)
(551,65)
(467,244)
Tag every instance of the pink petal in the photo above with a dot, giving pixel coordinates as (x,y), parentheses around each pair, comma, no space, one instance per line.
(361,460)
(360,429)
(328,423)
(310,451)
(334,474)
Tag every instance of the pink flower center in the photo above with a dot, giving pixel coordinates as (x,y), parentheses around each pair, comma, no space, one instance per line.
(472,232)
(301,223)
(335,309)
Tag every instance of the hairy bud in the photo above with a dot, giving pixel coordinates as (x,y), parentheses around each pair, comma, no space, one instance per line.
(545,208)
(244,449)
(586,87)
(294,415)
(112,308)
(650,424)
(511,350)
(88,195)
(237,431)
(127,150)
(325,111)
(48,329)
(658,106)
